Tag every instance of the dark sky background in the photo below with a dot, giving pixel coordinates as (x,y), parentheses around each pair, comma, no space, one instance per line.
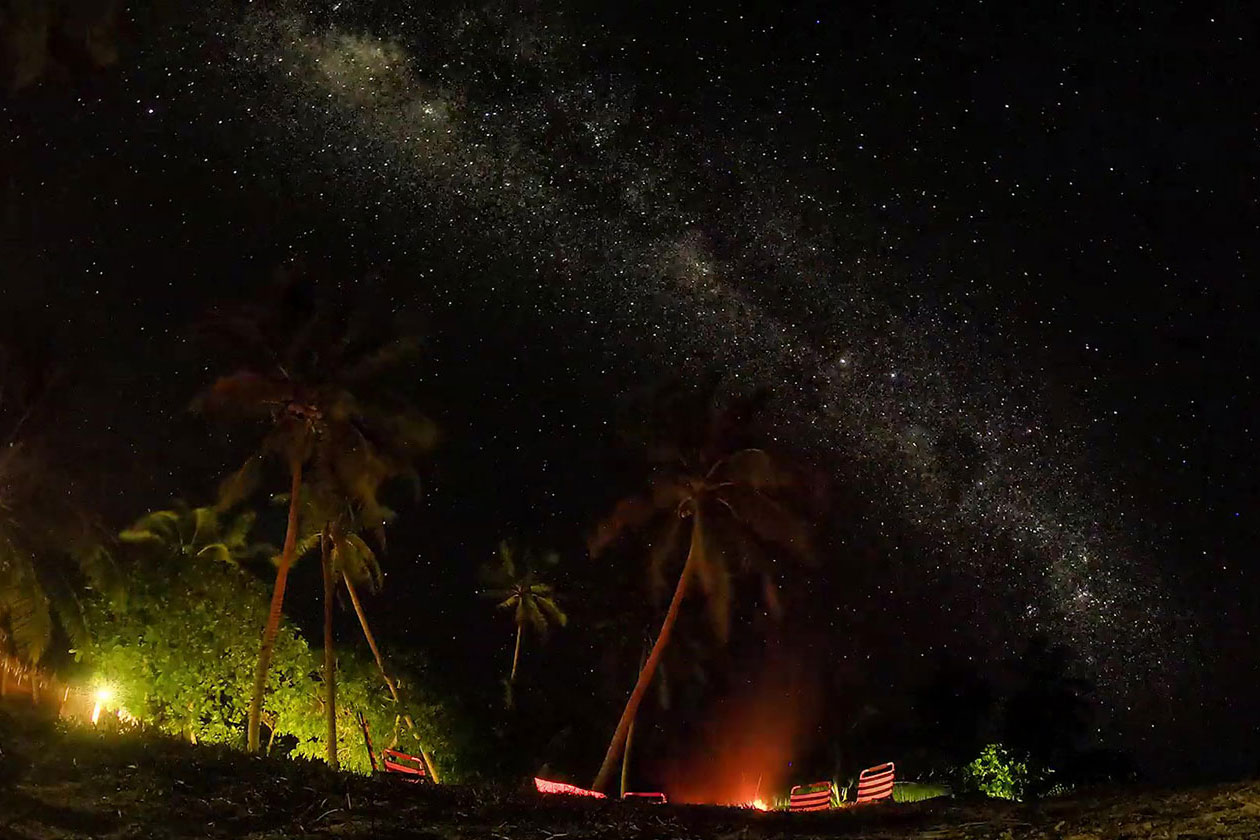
(996,265)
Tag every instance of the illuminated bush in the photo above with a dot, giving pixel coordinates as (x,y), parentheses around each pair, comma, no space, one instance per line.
(997,773)
(180,653)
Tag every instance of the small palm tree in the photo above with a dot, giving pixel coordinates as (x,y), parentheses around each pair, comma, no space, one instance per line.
(197,532)
(311,370)
(725,506)
(532,601)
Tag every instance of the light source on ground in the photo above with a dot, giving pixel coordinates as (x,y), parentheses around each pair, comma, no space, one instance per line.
(103,695)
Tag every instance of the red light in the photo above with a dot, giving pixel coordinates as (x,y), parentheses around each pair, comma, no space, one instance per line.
(545,786)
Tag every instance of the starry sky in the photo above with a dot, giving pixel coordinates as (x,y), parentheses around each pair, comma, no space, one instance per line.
(993,264)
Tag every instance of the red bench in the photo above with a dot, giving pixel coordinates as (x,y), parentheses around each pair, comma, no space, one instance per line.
(412,767)
(654,798)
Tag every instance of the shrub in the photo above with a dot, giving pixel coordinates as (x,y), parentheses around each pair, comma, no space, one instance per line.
(998,774)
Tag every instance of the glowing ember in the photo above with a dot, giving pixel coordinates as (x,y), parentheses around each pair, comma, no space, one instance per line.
(759,804)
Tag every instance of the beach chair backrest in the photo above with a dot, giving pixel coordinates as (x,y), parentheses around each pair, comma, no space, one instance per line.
(876,783)
(815,796)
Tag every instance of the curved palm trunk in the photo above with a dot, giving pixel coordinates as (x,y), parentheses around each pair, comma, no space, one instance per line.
(277,603)
(625,755)
(380,665)
(618,742)
(330,659)
(516,657)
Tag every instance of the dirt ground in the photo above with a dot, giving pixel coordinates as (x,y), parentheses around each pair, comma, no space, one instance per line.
(72,783)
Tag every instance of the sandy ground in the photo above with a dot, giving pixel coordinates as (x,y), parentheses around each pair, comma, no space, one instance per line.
(58,783)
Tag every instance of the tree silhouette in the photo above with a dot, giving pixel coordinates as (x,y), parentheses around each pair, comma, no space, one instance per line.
(727,506)
(516,587)
(311,378)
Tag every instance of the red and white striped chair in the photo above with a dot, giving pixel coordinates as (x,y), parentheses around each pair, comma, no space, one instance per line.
(876,783)
(815,796)
(411,767)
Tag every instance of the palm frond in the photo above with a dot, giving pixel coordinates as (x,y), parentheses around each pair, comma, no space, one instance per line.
(239,485)
(552,611)
(712,572)
(628,514)
(24,607)
(665,546)
(753,468)
(353,556)
(769,520)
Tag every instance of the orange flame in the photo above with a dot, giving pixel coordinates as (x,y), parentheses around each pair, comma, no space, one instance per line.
(745,751)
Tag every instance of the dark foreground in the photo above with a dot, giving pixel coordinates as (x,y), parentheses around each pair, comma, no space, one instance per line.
(66,784)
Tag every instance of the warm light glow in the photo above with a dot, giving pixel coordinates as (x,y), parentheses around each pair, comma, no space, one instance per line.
(759,804)
(103,695)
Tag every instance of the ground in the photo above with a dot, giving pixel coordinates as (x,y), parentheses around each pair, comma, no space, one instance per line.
(58,782)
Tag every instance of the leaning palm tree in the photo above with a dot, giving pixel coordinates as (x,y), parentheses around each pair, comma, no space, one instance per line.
(518,589)
(727,509)
(307,383)
(327,522)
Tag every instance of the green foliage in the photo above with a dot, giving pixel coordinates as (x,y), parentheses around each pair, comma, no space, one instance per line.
(50,551)
(918,791)
(181,650)
(998,774)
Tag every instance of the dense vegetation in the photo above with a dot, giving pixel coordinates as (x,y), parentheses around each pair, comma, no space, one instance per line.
(186,614)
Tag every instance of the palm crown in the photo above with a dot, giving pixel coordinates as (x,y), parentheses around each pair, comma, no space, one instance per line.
(516,587)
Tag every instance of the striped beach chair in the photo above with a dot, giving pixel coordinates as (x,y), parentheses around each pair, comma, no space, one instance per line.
(875,784)
(411,767)
(815,796)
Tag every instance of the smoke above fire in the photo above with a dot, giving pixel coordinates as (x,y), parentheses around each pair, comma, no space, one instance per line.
(743,751)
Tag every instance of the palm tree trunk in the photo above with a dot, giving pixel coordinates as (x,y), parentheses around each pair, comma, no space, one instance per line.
(380,664)
(617,744)
(277,603)
(516,657)
(330,660)
(625,756)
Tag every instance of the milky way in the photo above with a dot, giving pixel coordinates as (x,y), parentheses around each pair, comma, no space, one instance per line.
(708,246)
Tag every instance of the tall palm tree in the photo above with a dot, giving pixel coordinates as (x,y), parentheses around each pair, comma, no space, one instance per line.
(532,601)
(327,522)
(727,508)
(312,369)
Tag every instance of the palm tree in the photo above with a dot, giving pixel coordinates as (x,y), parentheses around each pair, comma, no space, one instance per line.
(311,369)
(727,509)
(49,545)
(329,521)
(532,601)
(197,532)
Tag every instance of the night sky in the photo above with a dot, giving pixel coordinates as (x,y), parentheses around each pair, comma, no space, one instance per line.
(995,265)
